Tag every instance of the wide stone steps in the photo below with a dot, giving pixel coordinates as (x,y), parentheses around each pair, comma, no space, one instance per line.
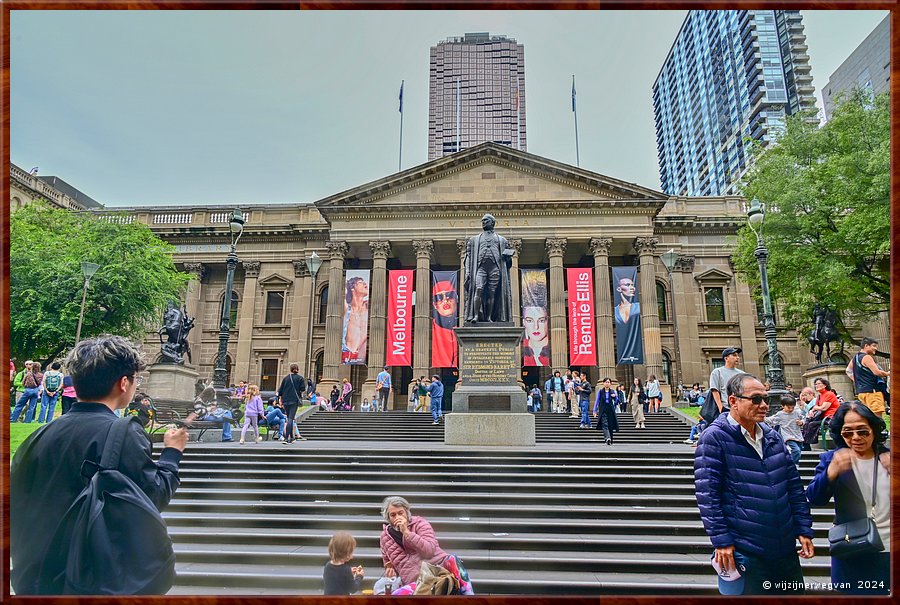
(403,426)
(257,520)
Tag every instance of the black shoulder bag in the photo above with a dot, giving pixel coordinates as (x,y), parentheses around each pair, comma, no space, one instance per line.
(860,536)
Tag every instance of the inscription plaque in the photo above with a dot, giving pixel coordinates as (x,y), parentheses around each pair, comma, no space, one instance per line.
(488,363)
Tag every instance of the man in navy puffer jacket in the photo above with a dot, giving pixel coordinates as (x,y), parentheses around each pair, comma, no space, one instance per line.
(750,496)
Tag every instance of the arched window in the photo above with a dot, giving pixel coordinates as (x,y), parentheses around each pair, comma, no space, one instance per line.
(323,306)
(232,320)
(661,303)
(667,367)
(320,366)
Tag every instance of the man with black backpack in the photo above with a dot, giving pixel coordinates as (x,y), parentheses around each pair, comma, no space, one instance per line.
(85,493)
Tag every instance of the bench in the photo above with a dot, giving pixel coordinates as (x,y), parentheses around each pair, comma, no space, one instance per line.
(167,412)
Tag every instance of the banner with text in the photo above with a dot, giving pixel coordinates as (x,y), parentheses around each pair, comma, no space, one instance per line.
(627,311)
(444,317)
(535,318)
(582,335)
(355,333)
(399,318)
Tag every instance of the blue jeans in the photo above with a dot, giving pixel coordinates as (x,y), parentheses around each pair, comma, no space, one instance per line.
(794,447)
(695,430)
(48,404)
(585,417)
(279,417)
(226,423)
(29,397)
(436,411)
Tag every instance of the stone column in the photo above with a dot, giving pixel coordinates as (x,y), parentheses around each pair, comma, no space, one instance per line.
(334,320)
(603,310)
(461,287)
(646,249)
(381,250)
(688,361)
(245,323)
(298,348)
(515,282)
(193,302)
(422,337)
(556,248)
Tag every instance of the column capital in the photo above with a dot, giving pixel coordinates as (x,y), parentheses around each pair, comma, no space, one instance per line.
(423,248)
(461,246)
(337,250)
(645,245)
(515,244)
(251,268)
(684,263)
(300,268)
(197,269)
(381,250)
(556,246)
(600,246)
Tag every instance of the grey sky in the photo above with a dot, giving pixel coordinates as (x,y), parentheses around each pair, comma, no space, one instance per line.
(205,107)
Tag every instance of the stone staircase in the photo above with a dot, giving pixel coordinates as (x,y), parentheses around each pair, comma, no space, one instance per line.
(402,426)
(256,519)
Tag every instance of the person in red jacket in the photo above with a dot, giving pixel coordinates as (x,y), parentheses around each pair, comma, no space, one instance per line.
(407,541)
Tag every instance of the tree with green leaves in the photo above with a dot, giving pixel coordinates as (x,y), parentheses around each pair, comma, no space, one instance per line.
(827,196)
(136,279)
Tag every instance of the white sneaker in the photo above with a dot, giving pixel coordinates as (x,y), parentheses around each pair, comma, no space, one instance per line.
(241,442)
(688,441)
(259,439)
(435,423)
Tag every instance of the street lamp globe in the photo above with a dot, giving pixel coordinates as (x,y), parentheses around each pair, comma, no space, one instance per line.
(88,269)
(669,259)
(237,226)
(756,214)
(313,263)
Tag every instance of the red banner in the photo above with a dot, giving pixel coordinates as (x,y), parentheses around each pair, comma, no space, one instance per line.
(399,318)
(582,334)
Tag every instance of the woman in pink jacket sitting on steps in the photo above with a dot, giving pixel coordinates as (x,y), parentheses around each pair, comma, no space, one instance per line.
(407,541)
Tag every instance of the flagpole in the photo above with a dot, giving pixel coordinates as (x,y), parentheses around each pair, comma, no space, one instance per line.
(400,162)
(575,111)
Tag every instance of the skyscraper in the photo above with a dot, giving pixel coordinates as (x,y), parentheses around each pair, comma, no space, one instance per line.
(730,75)
(868,68)
(476,93)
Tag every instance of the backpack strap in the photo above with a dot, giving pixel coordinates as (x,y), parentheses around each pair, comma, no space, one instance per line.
(115,439)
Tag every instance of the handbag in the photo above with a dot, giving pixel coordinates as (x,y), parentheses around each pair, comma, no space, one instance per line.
(860,536)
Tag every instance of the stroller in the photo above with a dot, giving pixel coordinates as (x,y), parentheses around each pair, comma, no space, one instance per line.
(344,403)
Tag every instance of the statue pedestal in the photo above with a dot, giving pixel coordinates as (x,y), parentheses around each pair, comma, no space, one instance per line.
(171,381)
(489,408)
(834,373)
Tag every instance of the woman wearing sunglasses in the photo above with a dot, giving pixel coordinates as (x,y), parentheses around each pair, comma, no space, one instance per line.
(848,474)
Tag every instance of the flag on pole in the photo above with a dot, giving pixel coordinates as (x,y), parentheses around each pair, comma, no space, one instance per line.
(401,95)
(573,93)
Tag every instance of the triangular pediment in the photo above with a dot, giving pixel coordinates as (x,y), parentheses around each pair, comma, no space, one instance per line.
(275,280)
(713,276)
(490,173)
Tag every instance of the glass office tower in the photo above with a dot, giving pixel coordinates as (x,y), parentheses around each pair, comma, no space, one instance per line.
(476,93)
(730,76)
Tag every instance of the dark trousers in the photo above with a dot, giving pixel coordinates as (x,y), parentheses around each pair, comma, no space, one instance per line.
(67,403)
(784,576)
(290,408)
(603,425)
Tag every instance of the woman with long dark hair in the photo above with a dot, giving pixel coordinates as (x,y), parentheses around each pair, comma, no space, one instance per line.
(636,398)
(857,475)
(291,386)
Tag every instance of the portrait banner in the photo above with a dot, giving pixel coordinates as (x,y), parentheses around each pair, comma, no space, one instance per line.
(355,334)
(535,318)
(582,334)
(627,311)
(444,317)
(398,348)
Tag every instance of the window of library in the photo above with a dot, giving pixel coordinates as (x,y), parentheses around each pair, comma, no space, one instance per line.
(715,304)
(268,377)
(234,310)
(667,368)
(274,307)
(661,302)
(323,306)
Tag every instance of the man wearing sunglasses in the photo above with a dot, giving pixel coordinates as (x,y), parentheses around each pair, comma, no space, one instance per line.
(751,500)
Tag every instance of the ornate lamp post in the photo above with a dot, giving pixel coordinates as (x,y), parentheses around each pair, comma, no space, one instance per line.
(756,215)
(313,263)
(669,259)
(220,373)
(88,269)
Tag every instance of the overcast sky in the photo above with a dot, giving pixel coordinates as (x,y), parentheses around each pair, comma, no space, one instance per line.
(206,107)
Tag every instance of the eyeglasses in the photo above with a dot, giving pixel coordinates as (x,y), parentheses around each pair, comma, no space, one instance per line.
(138,380)
(754,399)
(442,295)
(848,433)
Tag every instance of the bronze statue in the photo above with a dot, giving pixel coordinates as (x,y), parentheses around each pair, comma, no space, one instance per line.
(176,325)
(824,332)
(487,263)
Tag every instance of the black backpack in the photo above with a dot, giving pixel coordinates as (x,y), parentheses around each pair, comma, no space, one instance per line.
(115,539)
(710,411)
